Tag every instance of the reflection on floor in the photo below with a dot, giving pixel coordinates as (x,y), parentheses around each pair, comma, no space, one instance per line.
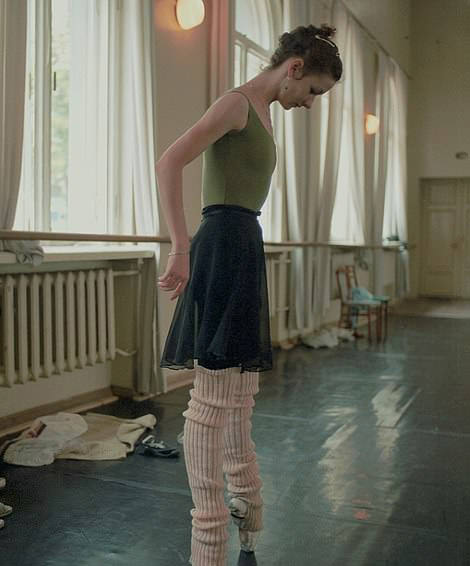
(364,452)
(441,308)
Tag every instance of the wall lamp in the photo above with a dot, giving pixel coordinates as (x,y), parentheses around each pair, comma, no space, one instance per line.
(189,13)
(372,124)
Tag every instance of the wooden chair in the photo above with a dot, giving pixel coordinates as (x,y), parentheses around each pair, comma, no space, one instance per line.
(384,299)
(350,309)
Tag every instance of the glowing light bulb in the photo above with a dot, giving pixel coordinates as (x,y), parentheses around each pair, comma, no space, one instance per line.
(190,13)
(372,124)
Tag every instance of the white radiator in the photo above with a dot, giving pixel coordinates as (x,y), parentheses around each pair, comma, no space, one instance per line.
(55,322)
(277,272)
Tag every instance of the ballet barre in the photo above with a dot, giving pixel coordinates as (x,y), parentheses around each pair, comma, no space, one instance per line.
(84,237)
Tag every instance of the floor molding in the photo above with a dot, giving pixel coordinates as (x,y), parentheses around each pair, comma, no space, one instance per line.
(77,404)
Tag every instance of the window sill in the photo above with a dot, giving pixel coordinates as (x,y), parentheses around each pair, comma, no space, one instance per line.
(82,253)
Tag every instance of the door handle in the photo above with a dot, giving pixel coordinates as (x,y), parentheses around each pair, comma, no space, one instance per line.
(457,243)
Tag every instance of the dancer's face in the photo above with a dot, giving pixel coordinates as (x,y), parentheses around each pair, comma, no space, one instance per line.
(299,90)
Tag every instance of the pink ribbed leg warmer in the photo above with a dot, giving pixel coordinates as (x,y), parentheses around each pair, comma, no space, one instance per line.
(240,464)
(217,439)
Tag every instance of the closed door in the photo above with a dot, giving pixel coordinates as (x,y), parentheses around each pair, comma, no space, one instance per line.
(445,238)
(465,246)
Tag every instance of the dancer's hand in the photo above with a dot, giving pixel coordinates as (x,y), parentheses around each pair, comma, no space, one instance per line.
(176,275)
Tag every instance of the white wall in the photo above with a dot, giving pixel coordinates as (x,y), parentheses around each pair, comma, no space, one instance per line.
(182,93)
(439,116)
(182,96)
(389,22)
(54,389)
(439,113)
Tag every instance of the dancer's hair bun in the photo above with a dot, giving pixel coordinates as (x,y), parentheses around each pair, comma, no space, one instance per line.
(314,45)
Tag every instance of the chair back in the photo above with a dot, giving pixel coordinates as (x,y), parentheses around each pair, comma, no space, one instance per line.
(351,276)
(342,279)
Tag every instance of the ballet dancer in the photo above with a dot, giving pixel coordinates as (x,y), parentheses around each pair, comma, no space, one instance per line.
(220,324)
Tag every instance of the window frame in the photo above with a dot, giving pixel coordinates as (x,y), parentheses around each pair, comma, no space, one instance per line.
(35,200)
(246,45)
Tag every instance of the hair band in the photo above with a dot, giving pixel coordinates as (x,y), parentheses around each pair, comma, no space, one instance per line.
(329,43)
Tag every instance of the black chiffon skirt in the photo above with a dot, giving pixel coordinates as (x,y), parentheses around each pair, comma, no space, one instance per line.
(222,317)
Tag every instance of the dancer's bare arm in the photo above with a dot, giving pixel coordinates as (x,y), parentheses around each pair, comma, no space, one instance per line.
(228,113)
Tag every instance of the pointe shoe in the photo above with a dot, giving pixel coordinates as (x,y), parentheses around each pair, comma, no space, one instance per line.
(3,483)
(248,539)
(247,559)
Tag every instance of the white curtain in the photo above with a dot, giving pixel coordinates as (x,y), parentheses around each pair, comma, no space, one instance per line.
(12,90)
(273,210)
(139,91)
(13,25)
(112,144)
(353,127)
(398,179)
(222,25)
(302,180)
(348,220)
(89,119)
(382,157)
(322,280)
(111,115)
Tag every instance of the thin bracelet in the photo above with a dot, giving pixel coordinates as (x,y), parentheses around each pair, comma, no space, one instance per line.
(178,253)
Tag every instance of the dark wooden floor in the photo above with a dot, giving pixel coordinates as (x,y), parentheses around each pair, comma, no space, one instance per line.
(364,453)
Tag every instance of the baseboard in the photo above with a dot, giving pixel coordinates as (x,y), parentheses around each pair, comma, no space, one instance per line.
(77,404)
(126,393)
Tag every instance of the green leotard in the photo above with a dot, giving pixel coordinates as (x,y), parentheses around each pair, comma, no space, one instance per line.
(237,168)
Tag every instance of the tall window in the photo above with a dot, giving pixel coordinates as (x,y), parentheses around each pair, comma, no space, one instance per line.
(394,226)
(89,157)
(348,220)
(42,203)
(346,225)
(256,30)
(60,51)
(253,38)
(66,114)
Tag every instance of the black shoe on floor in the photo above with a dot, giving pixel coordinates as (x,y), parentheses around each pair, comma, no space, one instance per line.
(247,559)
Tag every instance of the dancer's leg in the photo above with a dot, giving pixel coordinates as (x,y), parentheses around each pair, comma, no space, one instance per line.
(240,464)
(206,417)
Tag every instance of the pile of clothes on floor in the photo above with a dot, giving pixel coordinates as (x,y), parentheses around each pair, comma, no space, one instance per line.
(328,337)
(90,437)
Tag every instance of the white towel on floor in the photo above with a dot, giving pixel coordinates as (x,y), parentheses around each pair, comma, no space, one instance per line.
(107,437)
(42,450)
(71,436)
